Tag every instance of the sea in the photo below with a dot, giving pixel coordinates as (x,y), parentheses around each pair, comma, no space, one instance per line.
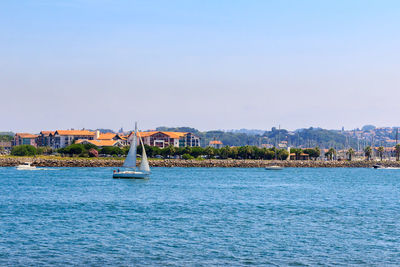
(200,217)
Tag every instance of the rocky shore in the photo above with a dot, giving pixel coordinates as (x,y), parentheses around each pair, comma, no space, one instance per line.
(82,162)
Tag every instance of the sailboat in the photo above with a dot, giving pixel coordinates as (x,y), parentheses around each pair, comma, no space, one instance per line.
(130,161)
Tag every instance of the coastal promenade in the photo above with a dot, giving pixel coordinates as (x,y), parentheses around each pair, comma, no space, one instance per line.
(92,162)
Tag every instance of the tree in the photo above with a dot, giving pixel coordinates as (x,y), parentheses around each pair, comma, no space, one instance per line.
(233,152)
(44,150)
(74,149)
(223,152)
(312,152)
(331,153)
(368,152)
(381,150)
(168,151)
(397,151)
(209,151)
(197,151)
(297,152)
(23,150)
(350,153)
(111,150)
(282,154)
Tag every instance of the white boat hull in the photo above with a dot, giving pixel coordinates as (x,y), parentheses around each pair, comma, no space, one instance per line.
(25,168)
(131,175)
(274,168)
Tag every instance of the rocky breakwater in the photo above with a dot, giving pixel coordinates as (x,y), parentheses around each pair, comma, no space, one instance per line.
(229,163)
(56,162)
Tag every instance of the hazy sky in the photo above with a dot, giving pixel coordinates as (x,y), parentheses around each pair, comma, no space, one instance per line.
(207,64)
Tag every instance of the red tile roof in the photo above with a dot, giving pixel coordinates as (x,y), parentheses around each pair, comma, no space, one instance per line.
(75,132)
(26,135)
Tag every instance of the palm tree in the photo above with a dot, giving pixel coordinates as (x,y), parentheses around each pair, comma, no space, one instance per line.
(397,151)
(380,152)
(368,152)
(331,152)
(350,153)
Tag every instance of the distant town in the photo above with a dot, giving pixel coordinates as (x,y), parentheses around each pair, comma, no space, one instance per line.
(333,144)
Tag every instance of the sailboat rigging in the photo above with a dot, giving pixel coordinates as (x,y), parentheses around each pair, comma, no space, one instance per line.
(130,161)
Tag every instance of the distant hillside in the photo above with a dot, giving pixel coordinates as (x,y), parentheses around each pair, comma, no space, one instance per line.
(177,129)
(311,137)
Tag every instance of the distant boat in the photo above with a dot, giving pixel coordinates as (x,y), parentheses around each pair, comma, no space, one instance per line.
(26,166)
(130,162)
(274,168)
(377,166)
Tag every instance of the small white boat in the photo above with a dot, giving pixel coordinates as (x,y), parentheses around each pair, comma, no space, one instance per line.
(26,166)
(130,162)
(274,168)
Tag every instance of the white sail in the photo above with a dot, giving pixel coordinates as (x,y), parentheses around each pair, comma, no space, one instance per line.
(144,164)
(130,161)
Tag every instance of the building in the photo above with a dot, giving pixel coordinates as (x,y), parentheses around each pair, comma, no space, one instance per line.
(63,138)
(24,139)
(163,139)
(5,145)
(45,138)
(101,143)
(215,144)
(123,140)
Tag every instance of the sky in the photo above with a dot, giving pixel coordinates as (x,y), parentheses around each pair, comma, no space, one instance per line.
(205,64)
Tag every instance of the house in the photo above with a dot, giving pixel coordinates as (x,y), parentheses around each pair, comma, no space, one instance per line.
(63,138)
(45,138)
(302,156)
(6,145)
(24,139)
(123,140)
(101,143)
(163,139)
(215,144)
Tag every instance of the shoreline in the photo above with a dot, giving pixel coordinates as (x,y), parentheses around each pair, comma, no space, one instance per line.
(223,163)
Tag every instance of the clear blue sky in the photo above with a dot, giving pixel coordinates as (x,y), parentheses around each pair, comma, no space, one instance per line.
(206,64)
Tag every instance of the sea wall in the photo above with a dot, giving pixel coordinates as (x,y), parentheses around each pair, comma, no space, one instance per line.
(82,162)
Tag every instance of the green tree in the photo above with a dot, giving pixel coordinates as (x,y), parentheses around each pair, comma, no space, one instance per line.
(350,153)
(368,152)
(187,156)
(111,150)
(223,152)
(197,151)
(233,152)
(331,153)
(209,151)
(397,151)
(313,153)
(168,152)
(89,146)
(297,152)
(381,150)
(282,154)
(23,150)
(269,154)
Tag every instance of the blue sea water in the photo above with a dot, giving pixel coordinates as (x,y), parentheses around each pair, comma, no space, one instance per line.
(200,217)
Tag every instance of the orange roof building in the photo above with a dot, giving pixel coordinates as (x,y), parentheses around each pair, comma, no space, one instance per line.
(100,143)
(215,144)
(163,139)
(24,139)
(63,138)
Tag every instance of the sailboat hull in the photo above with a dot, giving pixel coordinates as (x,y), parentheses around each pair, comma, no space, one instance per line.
(131,175)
